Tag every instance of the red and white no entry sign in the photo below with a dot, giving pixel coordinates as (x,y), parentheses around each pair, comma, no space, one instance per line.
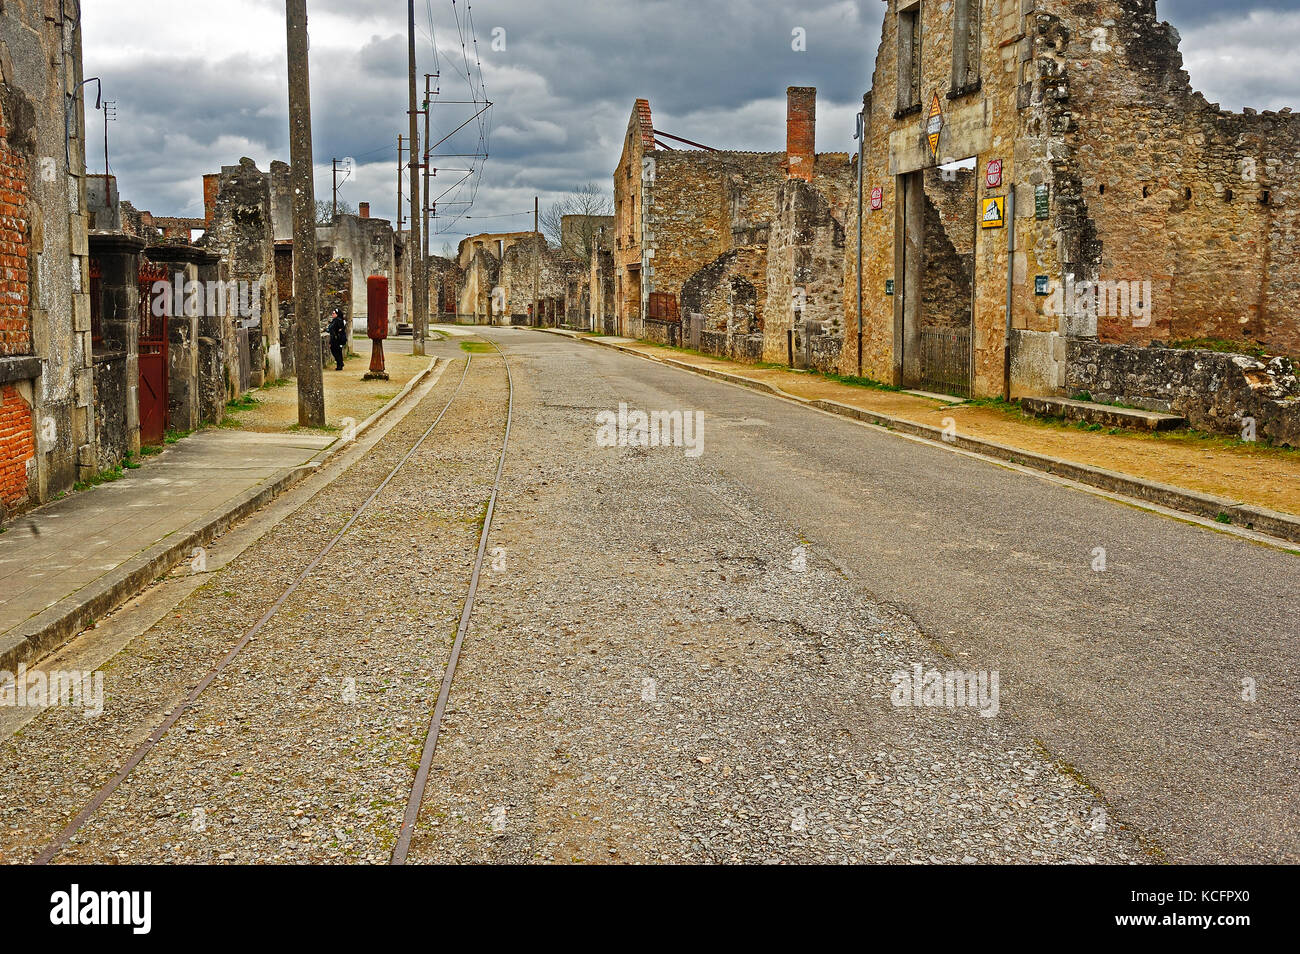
(993,173)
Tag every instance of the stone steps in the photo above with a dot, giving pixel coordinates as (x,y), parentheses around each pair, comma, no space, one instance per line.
(1104,414)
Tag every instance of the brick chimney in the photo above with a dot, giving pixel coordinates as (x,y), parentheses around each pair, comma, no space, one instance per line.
(211,186)
(800,131)
(363,209)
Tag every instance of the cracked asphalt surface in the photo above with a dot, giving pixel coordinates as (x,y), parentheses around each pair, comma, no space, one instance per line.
(692,659)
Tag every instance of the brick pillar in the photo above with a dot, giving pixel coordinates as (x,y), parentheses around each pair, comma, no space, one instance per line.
(800,131)
(363,210)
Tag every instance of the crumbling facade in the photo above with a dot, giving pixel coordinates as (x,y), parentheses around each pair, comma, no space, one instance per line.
(1108,202)
(371,246)
(240,231)
(736,253)
(47,416)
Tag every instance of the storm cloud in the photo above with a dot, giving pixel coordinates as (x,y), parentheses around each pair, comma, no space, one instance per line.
(198,85)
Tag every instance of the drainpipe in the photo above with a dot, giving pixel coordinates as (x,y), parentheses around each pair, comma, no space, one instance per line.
(1011,268)
(861,155)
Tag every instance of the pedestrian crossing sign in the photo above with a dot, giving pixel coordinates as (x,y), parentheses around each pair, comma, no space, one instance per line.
(994,214)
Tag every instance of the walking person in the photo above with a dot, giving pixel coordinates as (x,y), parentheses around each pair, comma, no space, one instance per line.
(338,332)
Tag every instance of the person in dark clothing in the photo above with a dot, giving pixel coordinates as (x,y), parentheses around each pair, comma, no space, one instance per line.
(338,332)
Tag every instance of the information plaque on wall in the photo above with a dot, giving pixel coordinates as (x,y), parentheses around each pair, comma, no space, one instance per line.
(1040,201)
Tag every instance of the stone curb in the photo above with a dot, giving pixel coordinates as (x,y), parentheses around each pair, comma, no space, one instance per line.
(1281,525)
(57,624)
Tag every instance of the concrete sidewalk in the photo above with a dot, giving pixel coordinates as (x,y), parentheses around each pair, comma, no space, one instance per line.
(63,550)
(74,560)
(1248,485)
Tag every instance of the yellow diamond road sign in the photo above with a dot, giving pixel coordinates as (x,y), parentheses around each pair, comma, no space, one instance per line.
(934,123)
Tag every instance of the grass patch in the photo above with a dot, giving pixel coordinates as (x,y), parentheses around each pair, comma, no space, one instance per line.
(855,381)
(1222,345)
(477,347)
(245,401)
(106,476)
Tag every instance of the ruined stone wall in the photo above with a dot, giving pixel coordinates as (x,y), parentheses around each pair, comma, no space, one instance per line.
(1202,203)
(370,245)
(704,204)
(526,259)
(481,269)
(949,249)
(15,247)
(444,285)
(601,304)
(242,234)
(805,260)
(46,355)
(630,178)
(281,202)
(335,282)
(1213,390)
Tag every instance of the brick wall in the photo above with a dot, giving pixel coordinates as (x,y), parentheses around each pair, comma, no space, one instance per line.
(15,292)
(17,447)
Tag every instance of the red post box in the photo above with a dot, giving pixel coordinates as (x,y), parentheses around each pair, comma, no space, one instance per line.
(376,325)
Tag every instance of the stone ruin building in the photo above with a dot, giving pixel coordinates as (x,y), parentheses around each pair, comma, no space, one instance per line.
(1048,207)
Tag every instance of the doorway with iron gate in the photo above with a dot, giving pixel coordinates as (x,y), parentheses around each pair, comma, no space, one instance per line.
(934,318)
(152,355)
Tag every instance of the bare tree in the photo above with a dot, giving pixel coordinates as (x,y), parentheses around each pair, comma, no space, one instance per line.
(579,242)
(325,211)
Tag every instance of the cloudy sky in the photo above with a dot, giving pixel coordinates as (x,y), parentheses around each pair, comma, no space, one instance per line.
(200,84)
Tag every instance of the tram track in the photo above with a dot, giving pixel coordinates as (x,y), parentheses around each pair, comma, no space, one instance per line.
(141,753)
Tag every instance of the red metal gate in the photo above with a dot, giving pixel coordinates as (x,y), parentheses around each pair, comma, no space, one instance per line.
(153,356)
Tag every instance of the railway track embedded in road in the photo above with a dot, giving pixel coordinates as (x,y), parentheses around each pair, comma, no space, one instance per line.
(56,845)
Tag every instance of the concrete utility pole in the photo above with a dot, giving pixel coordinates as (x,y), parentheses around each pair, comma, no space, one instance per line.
(424,219)
(419,288)
(400,141)
(334,165)
(537,270)
(306,303)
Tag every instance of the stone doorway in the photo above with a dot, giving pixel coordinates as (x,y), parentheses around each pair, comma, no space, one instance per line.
(934,317)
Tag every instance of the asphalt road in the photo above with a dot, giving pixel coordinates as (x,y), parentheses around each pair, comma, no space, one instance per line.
(1132,677)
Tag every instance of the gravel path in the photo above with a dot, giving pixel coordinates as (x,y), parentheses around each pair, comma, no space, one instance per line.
(302,750)
(656,670)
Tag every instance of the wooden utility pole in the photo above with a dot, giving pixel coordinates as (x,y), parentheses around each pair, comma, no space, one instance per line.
(419,288)
(306,303)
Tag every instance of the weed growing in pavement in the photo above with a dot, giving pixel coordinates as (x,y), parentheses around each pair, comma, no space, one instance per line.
(477,347)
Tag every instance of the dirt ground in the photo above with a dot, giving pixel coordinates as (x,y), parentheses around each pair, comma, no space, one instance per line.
(1247,472)
(346,395)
